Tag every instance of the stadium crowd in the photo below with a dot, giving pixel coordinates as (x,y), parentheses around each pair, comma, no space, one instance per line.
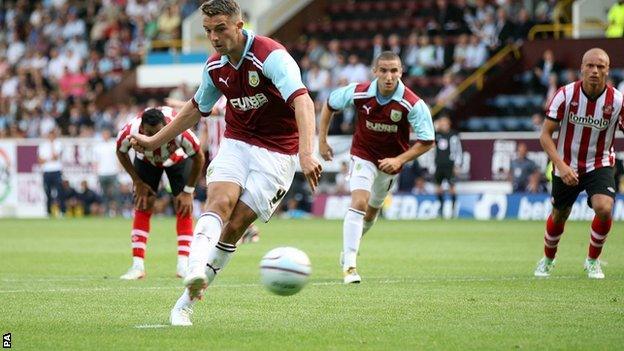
(58,56)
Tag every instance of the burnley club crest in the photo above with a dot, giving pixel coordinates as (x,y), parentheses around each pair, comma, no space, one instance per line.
(254,79)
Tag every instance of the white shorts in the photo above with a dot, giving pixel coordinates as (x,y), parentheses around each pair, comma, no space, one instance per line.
(366,176)
(264,175)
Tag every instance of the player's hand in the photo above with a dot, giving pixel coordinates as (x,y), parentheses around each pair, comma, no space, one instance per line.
(568,175)
(326,151)
(390,165)
(142,193)
(311,169)
(184,204)
(142,143)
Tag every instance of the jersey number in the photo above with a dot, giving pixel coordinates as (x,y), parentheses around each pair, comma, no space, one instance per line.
(278,196)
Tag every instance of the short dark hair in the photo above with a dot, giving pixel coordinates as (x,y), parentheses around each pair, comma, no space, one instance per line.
(386,56)
(153,117)
(212,8)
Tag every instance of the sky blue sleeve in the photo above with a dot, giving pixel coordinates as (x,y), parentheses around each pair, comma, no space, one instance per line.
(283,71)
(342,98)
(207,94)
(420,119)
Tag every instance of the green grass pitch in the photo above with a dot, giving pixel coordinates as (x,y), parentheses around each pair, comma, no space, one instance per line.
(459,285)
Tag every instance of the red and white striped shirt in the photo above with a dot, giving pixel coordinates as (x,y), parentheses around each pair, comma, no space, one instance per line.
(587,126)
(181,147)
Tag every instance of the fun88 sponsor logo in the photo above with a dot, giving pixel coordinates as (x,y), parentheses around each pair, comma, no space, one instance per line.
(247,103)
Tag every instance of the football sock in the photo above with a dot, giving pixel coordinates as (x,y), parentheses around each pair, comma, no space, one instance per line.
(599,231)
(207,232)
(368,225)
(453,200)
(218,258)
(184,301)
(441,200)
(140,233)
(184,229)
(351,235)
(551,237)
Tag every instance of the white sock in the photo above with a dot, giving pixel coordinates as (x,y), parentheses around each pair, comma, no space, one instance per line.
(219,256)
(207,233)
(184,301)
(351,236)
(368,225)
(182,261)
(137,263)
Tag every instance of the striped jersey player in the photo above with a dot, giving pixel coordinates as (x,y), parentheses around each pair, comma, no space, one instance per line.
(269,120)
(588,113)
(182,160)
(386,113)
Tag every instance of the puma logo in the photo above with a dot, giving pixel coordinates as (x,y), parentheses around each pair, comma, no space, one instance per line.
(224,81)
(367,108)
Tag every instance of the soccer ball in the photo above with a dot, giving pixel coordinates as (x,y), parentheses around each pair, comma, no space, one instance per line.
(285,270)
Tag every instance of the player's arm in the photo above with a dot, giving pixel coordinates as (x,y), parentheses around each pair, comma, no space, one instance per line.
(420,119)
(554,115)
(304,114)
(190,145)
(200,105)
(339,99)
(568,175)
(284,73)
(142,191)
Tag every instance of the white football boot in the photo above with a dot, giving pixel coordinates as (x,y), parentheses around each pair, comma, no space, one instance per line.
(544,267)
(593,269)
(181,317)
(182,267)
(196,281)
(351,276)
(133,274)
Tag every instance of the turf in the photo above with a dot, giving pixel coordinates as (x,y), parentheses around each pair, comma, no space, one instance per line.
(459,285)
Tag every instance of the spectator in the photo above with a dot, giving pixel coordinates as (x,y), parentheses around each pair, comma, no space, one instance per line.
(543,69)
(551,90)
(523,26)
(394,44)
(426,55)
(520,169)
(49,156)
(410,55)
(616,20)
(355,71)
(377,48)
(421,187)
(341,186)
(169,23)
(459,54)
(318,82)
(476,54)
(446,96)
(107,168)
(536,183)
(89,199)
(536,122)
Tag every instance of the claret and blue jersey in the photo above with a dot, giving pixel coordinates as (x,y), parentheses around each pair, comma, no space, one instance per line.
(383,124)
(259,90)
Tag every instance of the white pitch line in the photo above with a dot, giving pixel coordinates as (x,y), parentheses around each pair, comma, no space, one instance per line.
(151,326)
(328,283)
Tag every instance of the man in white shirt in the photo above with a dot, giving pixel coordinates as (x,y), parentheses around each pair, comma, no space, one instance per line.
(107,168)
(49,157)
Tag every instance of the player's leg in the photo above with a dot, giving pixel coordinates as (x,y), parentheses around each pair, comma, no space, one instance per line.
(438,178)
(563,197)
(601,194)
(370,218)
(225,177)
(451,182)
(178,175)
(363,175)
(141,223)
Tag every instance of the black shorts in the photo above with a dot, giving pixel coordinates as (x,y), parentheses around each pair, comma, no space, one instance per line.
(599,181)
(177,174)
(444,172)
